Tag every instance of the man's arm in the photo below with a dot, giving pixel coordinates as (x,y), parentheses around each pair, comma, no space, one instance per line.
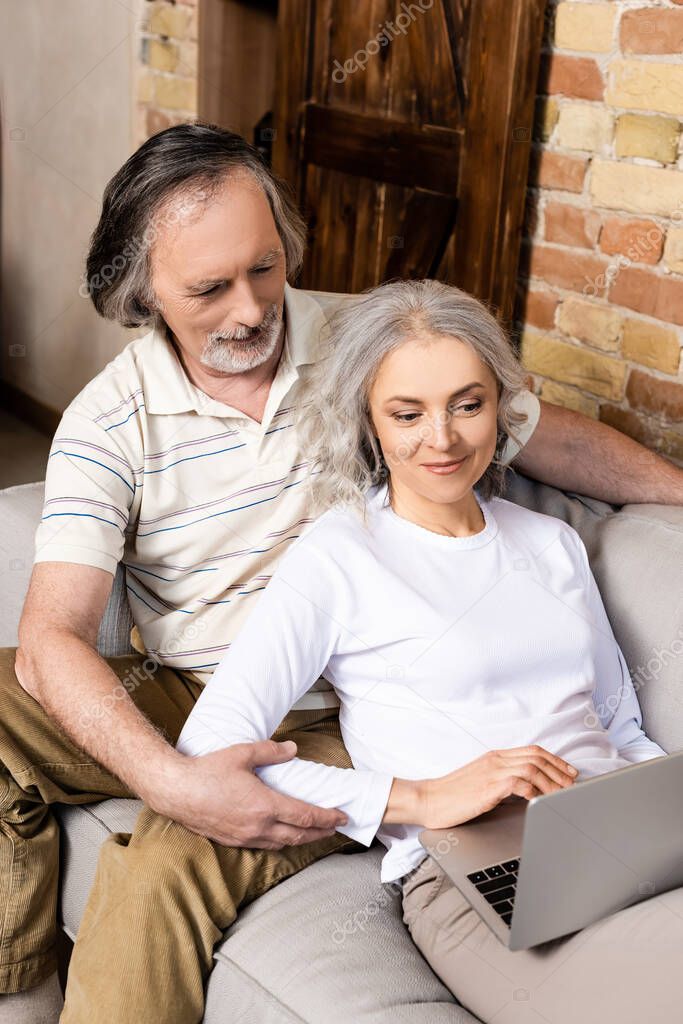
(219,796)
(576,453)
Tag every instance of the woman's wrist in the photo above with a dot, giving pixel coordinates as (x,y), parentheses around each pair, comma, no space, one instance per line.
(406,803)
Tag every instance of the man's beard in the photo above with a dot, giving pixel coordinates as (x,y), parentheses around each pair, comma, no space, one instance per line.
(233,352)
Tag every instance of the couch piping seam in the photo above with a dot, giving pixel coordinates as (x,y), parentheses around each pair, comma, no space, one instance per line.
(220,957)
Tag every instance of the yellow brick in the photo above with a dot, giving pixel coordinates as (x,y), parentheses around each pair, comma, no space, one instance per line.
(635,188)
(570,364)
(599,326)
(145,87)
(581,126)
(176,93)
(162,56)
(560,394)
(673,250)
(189,58)
(644,85)
(171,20)
(547,111)
(587,27)
(193,27)
(140,120)
(652,137)
(651,345)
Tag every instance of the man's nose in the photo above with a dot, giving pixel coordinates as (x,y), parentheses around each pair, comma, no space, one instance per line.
(245,307)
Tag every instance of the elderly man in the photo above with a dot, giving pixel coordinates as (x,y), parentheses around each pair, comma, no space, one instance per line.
(180,459)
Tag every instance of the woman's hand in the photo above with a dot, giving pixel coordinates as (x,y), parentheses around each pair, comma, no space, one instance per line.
(482,784)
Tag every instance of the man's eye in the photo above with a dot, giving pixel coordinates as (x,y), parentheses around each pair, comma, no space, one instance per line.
(263,270)
(209,291)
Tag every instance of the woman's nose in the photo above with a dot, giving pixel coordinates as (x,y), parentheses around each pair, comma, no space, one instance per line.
(442,434)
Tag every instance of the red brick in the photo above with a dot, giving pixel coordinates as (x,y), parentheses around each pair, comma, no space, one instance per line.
(570,225)
(627,421)
(665,442)
(664,397)
(579,77)
(659,297)
(640,240)
(578,272)
(651,31)
(554,170)
(539,309)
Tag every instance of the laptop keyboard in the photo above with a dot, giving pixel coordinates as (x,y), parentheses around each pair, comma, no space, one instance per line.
(498,885)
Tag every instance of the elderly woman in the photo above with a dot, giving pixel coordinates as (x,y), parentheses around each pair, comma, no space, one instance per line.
(464,635)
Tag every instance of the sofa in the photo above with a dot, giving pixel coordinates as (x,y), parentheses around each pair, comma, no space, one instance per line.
(329,944)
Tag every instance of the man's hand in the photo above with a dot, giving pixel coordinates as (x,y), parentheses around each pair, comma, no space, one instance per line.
(219,796)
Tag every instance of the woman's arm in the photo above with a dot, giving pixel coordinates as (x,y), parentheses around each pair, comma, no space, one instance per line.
(614,696)
(284,646)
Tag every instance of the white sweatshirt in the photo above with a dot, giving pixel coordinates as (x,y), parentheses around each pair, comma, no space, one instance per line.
(440,648)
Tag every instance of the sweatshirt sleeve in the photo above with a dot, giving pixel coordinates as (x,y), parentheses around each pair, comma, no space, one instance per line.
(282,649)
(614,695)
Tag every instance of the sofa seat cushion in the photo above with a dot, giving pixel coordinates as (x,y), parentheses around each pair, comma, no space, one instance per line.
(327,944)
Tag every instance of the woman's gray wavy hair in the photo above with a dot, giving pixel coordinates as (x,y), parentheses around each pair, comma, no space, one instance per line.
(345,459)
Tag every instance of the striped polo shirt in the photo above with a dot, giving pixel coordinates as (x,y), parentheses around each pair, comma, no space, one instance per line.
(198,500)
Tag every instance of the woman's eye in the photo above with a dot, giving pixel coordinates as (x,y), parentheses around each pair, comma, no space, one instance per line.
(471,407)
(405,417)
(262,270)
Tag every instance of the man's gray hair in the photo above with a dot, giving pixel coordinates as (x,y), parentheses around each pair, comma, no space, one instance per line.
(336,431)
(176,170)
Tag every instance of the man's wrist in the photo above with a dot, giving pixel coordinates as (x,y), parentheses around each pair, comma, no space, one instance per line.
(162,789)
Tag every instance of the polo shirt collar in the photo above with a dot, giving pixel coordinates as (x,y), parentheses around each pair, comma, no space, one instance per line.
(169,390)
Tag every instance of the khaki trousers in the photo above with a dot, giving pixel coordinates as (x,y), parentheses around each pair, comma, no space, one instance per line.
(162,896)
(625,969)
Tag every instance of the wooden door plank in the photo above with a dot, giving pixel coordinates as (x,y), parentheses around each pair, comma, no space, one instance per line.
(375,147)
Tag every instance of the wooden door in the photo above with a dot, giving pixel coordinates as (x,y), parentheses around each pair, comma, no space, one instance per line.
(405,130)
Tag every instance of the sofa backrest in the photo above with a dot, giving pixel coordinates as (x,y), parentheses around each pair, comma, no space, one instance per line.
(636,556)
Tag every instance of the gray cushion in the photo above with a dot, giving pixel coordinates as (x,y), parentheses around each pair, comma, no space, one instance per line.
(328,944)
(20,511)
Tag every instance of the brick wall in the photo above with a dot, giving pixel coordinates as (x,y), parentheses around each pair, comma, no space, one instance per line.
(603,256)
(602,319)
(167,65)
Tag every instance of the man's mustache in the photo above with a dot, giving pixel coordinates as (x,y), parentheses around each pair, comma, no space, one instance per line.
(244,333)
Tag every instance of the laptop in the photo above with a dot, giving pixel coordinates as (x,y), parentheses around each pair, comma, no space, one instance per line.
(539,869)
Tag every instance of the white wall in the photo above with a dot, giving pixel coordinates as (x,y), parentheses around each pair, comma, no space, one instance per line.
(66,95)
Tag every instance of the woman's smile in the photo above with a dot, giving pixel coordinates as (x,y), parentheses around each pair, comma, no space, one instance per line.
(444,468)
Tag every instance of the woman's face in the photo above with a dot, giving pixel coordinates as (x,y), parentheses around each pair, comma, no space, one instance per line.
(434,409)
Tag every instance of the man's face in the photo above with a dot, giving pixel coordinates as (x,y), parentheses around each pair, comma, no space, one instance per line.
(218,273)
